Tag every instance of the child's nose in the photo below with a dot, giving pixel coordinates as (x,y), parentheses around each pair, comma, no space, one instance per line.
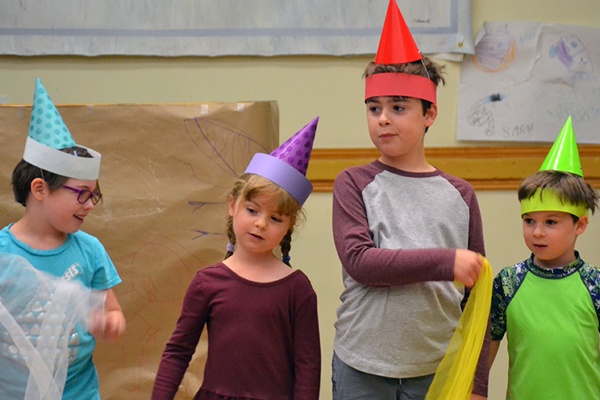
(260,223)
(89,205)
(383,119)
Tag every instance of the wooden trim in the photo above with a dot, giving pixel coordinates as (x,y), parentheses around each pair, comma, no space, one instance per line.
(486,168)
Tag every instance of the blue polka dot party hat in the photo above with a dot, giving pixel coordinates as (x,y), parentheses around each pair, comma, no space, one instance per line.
(48,134)
(287,165)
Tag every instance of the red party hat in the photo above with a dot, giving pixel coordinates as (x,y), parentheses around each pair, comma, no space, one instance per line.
(396,45)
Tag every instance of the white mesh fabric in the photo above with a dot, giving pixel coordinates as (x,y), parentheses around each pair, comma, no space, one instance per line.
(37,315)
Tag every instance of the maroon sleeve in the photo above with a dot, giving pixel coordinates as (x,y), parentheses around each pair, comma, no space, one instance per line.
(180,348)
(368,264)
(307,350)
(476,244)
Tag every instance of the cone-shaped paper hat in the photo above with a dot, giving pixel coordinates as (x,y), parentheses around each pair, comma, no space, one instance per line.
(564,155)
(396,45)
(287,165)
(48,134)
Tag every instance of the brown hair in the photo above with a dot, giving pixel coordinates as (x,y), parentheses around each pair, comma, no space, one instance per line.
(250,185)
(568,187)
(424,67)
(24,173)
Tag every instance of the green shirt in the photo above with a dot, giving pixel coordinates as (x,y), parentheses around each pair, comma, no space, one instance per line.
(550,317)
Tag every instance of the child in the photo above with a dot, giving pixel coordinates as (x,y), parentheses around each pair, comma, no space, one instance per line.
(404,231)
(549,304)
(57,184)
(261,316)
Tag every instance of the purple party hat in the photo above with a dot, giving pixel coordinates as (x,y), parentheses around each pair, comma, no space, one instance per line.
(287,165)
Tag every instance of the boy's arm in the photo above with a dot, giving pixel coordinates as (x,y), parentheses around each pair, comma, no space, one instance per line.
(482,372)
(476,243)
(373,266)
(494,346)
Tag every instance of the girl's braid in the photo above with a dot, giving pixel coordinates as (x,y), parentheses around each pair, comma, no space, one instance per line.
(231,236)
(286,245)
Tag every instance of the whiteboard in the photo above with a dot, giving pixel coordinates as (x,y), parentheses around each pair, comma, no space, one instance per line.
(224,27)
(526,78)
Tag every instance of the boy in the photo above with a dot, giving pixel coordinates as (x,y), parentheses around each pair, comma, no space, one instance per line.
(57,184)
(404,231)
(549,304)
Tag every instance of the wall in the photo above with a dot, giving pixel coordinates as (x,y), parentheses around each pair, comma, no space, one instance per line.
(304,87)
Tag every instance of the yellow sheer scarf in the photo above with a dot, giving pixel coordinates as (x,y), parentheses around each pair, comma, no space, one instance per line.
(454,376)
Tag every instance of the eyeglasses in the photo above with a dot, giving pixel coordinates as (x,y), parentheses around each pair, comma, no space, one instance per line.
(83,195)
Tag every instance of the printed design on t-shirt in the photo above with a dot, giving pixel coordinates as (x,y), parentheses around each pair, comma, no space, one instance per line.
(73,271)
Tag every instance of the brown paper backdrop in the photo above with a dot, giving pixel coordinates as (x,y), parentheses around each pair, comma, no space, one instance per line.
(165,174)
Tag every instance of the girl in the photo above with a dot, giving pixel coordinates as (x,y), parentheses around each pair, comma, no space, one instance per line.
(261,316)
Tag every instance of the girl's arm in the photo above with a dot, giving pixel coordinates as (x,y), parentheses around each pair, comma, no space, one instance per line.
(180,348)
(307,351)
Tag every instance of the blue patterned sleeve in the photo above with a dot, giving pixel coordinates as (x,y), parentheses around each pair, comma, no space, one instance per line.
(498,311)
(590,276)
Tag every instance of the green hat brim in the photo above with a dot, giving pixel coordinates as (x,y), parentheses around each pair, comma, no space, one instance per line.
(548,200)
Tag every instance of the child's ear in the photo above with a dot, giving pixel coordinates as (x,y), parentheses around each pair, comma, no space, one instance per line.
(38,188)
(231,203)
(430,115)
(581,225)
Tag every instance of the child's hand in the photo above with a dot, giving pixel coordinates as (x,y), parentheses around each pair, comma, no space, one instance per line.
(114,325)
(108,326)
(467,267)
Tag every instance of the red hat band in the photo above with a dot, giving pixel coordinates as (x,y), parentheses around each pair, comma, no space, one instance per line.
(399,84)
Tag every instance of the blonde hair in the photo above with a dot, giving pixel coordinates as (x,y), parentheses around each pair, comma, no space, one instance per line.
(250,185)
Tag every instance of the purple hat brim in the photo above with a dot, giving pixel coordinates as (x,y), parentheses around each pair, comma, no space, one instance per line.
(282,174)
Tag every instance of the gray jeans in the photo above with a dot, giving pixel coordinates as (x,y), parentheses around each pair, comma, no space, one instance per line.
(351,384)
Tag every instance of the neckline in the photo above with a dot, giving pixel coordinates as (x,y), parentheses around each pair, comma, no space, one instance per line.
(555,273)
(256,283)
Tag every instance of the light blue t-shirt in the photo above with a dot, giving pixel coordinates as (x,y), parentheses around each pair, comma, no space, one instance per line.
(80,258)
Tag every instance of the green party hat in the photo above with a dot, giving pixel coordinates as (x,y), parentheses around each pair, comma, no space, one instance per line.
(564,156)
(48,134)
